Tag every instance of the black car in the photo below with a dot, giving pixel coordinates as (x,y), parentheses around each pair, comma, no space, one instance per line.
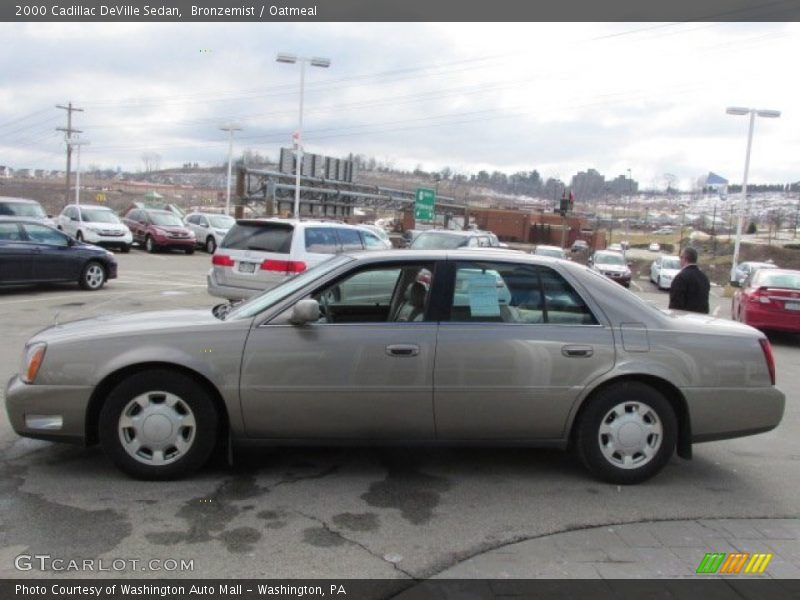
(32,252)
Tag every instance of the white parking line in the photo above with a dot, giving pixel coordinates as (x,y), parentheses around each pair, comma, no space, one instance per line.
(636,285)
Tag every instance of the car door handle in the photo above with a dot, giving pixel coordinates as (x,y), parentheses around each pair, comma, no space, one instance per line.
(577,351)
(402,350)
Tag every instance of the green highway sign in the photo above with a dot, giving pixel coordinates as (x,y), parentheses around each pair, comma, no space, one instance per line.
(423,207)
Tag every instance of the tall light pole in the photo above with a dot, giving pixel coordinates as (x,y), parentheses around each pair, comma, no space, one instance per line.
(230,128)
(77,142)
(314,62)
(768,114)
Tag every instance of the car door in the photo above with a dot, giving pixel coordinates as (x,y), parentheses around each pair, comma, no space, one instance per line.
(361,372)
(516,349)
(52,258)
(15,255)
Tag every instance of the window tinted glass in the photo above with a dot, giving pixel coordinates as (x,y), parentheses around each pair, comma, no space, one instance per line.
(350,239)
(222,222)
(21,209)
(192,219)
(267,237)
(372,241)
(322,240)
(513,293)
(98,215)
(438,241)
(165,219)
(44,235)
(9,232)
(609,258)
(789,281)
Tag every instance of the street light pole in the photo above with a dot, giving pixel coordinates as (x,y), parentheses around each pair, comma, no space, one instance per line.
(769,114)
(230,128)
(77,142)
(315,62)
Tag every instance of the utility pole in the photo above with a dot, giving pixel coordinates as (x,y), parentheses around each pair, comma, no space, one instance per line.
(230,128)
(68,131)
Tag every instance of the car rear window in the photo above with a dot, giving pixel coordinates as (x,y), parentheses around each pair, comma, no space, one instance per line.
(21,209)
(266,237)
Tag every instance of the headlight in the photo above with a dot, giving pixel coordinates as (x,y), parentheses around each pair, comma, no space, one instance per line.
(220,231)
(92,228)
(32,360)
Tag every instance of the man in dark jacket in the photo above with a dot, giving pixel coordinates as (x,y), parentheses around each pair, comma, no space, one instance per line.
(690,287)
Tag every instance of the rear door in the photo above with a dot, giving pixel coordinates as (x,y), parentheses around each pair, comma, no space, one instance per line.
(15,255)
(518,347)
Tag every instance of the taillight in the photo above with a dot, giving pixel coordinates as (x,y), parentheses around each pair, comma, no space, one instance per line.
(761,295)
(222,260)
(284,266)
(767,348)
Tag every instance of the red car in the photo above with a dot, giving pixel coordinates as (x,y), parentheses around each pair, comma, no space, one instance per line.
(156,229)
(769,299)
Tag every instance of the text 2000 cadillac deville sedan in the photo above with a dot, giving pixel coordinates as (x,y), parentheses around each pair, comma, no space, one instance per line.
(404,347)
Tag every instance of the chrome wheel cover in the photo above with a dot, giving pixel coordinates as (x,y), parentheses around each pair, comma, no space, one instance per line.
(630,435)
(94,276)
(157,428)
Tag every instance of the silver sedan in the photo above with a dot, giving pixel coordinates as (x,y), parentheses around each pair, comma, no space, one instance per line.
(444,347)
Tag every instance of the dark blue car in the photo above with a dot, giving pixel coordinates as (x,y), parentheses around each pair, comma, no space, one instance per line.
(32,252)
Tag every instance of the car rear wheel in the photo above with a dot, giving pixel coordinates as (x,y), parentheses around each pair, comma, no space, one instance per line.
(93,276)
(79,236)
(211,245)
(158,424)
(627,433)
(149,244)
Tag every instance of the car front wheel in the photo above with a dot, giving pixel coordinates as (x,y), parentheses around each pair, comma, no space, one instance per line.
(125,248)
(158,424)
(627,433)
(93,276)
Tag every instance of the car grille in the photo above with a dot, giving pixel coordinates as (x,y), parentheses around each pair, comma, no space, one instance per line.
(178,235)
(613,274)
(112,233)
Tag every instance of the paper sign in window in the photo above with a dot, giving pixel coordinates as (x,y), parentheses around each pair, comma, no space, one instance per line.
(483,300)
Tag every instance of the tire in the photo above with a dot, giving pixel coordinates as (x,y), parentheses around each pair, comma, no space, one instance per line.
(652,429)
(189,250)
(125,248)
(211,244)
(79,236)
(93,276)
(150,245)
(167,400)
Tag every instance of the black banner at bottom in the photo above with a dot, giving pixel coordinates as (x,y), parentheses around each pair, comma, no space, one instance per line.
(401,589)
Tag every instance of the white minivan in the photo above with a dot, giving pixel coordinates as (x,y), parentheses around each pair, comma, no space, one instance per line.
(258,254)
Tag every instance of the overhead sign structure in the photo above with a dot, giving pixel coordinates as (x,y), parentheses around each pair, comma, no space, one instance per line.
(423,206)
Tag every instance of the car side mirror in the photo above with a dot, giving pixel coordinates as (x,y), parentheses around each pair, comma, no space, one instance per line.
(589,262)
(221,310)
(305,311)
(735,283)
(71,241)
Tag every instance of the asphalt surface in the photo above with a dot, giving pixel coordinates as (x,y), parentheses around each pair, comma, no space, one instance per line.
(322,512)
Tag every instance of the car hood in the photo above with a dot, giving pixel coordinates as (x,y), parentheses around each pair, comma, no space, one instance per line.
(121,324)
(171,228)
(669,272)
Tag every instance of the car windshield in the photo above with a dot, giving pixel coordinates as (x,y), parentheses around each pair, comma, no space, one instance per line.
(165,219)
(21,209)
(438,241)
(263,301)
(98,215)
(221,221)
(671,263)
(787,281)
(610,258)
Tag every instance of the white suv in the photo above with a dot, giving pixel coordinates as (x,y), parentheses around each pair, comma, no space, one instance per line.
(258,254)
(209,228)
(95,225)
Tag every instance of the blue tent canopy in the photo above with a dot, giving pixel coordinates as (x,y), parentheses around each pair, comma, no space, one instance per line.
(714,179)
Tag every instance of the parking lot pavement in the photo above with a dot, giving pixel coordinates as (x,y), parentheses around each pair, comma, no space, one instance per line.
(356,512)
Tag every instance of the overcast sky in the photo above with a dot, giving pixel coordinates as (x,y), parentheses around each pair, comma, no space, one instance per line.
(558,98)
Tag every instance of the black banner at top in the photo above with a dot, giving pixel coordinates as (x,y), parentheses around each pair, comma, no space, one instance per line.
(398,10)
